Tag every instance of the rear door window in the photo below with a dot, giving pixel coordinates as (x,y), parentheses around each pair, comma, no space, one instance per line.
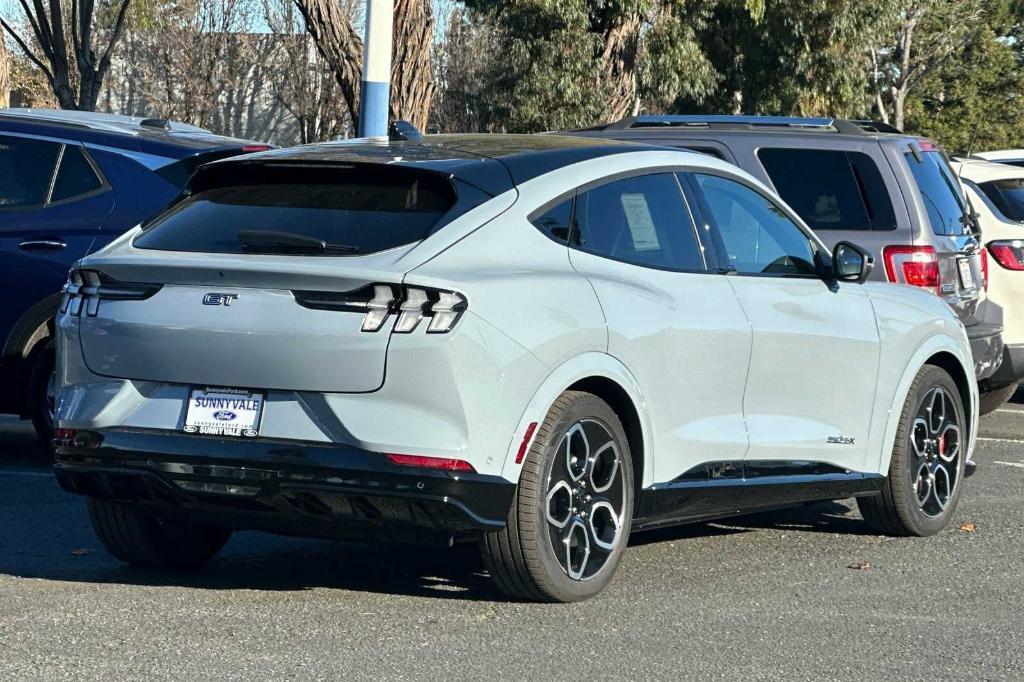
(305,211)
(1007,195)
(640,220)
(26,171)
(940,192)
(75,177)
(831,189)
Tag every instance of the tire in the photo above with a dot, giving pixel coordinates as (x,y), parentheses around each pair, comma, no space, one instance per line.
(992,400)
(594,504)
(936,476)
(144,540)
(40,394)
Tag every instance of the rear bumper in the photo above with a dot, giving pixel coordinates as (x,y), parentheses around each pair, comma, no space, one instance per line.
(1011,369)
(986,347)
(282,487)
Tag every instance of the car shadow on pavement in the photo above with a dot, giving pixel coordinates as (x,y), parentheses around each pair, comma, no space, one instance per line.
(45,534)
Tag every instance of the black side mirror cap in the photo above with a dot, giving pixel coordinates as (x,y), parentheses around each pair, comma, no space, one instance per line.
(851,263)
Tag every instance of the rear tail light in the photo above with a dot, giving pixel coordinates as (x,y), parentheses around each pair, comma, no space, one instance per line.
(85,290)
(62,438)
(984,269)
(421,462)
(250,148)
(1008,253)
(917,266)
(379,302)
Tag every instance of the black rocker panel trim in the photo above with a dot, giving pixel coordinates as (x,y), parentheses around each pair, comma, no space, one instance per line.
(722,489)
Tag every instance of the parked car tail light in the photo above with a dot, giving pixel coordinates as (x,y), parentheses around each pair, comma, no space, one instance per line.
(914,265)
(85,290)
(984,269)
(421,462)
(380,301)
(1008,253)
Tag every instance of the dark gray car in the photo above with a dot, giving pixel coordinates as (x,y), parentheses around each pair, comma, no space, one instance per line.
(889,192)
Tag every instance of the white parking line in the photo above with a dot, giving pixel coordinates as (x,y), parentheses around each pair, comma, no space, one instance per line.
(1011,464)
(1002,440)
(40,474)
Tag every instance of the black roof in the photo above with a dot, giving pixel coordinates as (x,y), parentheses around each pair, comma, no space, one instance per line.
(493,163)
(149,136)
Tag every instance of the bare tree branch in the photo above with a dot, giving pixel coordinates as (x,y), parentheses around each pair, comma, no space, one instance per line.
(28,52)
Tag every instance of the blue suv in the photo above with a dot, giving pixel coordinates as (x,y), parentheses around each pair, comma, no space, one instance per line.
(69,183)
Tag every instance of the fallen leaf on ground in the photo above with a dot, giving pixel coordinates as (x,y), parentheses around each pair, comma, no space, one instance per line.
(81,551)
(968,527)
(860,565)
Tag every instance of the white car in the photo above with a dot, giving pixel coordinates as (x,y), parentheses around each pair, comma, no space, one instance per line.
(996,191)
(537,343)
(1013,157)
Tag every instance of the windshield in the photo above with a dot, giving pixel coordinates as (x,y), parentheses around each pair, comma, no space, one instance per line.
(1007,195)
(940,192)
(290,212)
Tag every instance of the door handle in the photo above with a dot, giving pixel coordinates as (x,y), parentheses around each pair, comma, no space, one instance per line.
(42,245)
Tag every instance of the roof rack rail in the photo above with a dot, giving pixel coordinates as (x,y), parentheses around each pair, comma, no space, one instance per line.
(824,124)
(707,120)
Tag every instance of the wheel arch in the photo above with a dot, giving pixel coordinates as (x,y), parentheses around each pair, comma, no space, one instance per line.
(606,377)
(942,351)
(22,345)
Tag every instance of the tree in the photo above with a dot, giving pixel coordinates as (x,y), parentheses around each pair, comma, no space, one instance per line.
(5,75)
(301,81)
(974,100)
(76,72)
(927,34)
(562,64)
(330,24)
(462,68)
(808,58)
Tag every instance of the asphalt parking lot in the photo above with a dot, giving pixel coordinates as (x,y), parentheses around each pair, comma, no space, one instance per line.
(756,597)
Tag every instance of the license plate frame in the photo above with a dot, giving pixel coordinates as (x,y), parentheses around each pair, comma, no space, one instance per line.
(224,412)
(966,275)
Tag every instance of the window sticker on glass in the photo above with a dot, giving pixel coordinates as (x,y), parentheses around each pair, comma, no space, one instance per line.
(640,222)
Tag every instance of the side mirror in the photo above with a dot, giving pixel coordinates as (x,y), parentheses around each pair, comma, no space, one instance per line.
(850,263)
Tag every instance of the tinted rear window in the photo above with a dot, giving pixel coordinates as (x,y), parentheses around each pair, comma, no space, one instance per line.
(75,177)
(1007,195)
(940,193)
(359,211)
(831,190)
(26,171)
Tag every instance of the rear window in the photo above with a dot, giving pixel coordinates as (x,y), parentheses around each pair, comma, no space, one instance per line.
(829,189)
(1007,195)
(290,210)
(940,191)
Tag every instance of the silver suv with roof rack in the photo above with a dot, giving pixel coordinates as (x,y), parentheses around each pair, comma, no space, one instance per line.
(861,181)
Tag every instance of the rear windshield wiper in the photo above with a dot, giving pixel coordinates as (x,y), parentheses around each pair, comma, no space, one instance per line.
(270,241)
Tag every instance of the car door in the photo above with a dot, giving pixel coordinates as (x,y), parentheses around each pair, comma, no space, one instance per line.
(52,204)
(677,327)
(814,361)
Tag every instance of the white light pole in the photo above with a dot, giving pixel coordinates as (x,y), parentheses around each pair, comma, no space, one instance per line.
(376,86)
